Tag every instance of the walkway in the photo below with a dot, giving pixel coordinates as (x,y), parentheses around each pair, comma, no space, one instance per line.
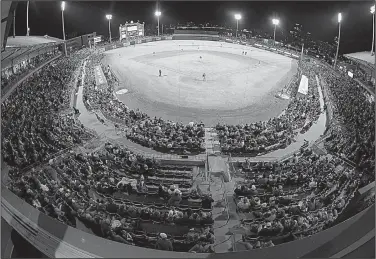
(90,120)
(212,144)
(313,134)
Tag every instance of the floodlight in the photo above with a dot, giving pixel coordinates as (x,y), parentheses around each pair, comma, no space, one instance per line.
(275,21)
(158,13)
(339,17)
(238,16)
(62,6)
(372,9)
(109,16)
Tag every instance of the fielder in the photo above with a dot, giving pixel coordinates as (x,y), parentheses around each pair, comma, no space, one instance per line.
(204,77)
(160,73)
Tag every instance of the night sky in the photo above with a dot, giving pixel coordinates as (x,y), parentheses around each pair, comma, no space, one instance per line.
(319,18)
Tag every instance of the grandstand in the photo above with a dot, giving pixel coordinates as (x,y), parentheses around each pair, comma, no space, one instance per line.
(27,41)
(86,173)
(364,56)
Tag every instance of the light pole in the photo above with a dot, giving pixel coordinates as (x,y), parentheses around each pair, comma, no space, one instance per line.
(237,17)
(27,19)
(339,37)
(158,13)
(275,22)
(14,23)
(373,29)
(109,17)
(62,21)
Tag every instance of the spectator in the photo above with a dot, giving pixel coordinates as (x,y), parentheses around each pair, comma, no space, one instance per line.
(163,243)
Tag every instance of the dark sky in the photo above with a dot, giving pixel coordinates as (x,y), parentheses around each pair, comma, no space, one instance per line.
(319,18)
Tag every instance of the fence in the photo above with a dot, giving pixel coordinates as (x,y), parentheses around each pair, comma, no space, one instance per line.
(253,42)
(153,154)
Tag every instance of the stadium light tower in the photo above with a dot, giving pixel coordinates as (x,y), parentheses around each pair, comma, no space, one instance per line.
(158,13)
(109,17)
(275,22)
(339,37)
(62,20)
(14,23)
(27,19)
(373,29)
(237,17)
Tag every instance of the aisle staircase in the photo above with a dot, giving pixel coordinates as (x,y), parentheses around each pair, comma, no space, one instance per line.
(212,144)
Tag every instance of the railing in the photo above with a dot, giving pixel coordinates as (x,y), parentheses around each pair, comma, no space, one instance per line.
(57,240)
(200,157)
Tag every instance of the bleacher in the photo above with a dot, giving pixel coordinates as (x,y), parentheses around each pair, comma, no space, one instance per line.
(138,204)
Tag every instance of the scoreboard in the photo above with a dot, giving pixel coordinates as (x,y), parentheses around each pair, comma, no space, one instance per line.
(131,30)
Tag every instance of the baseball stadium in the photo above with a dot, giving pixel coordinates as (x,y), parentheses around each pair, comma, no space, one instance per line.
(189,144)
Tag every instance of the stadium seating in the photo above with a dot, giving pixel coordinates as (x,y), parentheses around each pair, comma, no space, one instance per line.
(126,197)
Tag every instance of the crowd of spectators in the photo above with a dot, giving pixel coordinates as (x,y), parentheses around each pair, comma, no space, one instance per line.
(115,193)
(294,198)
(156,133)
(353,134)
(360,73)
(32,128)
(11,75)
(277,133)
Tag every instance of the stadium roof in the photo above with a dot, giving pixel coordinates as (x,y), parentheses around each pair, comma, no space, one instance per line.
(23,46)
(23,41)
(364,56)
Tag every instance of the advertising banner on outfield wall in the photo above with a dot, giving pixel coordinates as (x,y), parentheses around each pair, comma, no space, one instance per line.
(132,43)
(159,38)
(147,39)
(162,38)
(139,41)
(169,38)
(126,44)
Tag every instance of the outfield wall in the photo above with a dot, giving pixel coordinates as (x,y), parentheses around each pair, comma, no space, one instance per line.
(195,37)
(196,32)
(203,37)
